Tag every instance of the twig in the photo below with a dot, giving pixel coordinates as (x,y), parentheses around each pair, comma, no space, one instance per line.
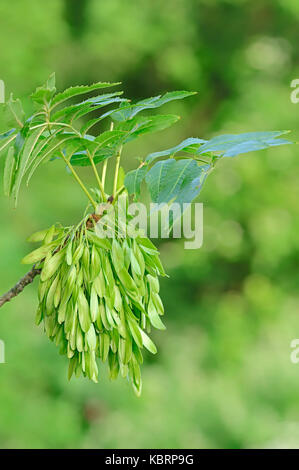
(20,286)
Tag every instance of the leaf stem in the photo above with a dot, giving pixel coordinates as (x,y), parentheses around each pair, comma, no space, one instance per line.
(117,164)
(104,171)
(7,142)
(78,179)
(62,124)
(96,175)
(118,192)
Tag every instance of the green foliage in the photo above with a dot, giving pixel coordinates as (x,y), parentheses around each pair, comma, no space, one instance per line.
(48,135)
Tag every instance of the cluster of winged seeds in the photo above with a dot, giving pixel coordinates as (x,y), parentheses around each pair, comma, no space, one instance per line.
(98,298)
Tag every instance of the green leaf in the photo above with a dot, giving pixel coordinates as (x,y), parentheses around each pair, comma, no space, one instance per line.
(175,181)
(125,112)
(9,169)
(190,145)
(134,179)
(145,125)
(231,145)
(80,90)
(28,148)
(82,159)
(6,141)
(43,94)
(156,178)
(110,138)
(78,110)
(50,150)
(104,146)
(11,115)
(120,178)
(44,142)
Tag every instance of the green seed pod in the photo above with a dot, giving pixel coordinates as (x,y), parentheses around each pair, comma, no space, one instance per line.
(83,310)
(62,313)
(154,316)
(114,340)
(127,282)
(43,289)
(117,299)
(98,322)
(137,353)
(98,298)
(136,269)
(100,285)
(117,255)
(135,375)
(37,236)
(113,365)
(59,337)
(104,346)
(153,283)
(50,296)
(80,278)
(73,363)
(109,316)
(50,325)
(86,260)
(57,294)
(51,265)
(104,319)
(158,303)
(69,286)
(91,339)
(78,253)
(70,352)
(147,342)
(69,313)
(108,274)
(38,255)
(135,332)
(95,265)
(69,253)
(49,235)
(124,370)
(98,241)
(127,254)
(39,316)
(139,257)
(79,339)
(94,304)
(93,367)
(73,334)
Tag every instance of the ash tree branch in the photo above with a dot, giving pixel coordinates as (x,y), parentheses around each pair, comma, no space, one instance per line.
(20,286)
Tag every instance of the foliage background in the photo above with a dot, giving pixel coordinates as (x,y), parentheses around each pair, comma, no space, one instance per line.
(223,376)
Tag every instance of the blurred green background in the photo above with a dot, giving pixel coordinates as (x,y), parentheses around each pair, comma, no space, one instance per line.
(223,376)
